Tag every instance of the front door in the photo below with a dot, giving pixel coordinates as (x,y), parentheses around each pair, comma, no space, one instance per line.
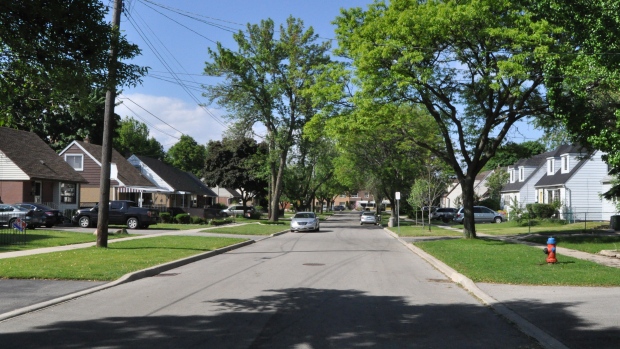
(36,192)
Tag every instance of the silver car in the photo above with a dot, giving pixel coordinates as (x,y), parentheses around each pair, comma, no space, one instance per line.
(481,214)
(305,221)
(368,217)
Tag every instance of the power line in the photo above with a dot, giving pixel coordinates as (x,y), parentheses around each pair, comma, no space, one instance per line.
(168,68)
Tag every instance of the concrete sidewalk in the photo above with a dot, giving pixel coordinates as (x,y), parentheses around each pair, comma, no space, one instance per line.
(557,316)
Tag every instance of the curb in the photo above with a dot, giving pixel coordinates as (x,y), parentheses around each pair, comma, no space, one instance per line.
(522,324)
(158,269)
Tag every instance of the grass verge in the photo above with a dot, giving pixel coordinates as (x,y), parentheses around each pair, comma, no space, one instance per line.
(250,229)
(105,264)
(48,238)
(418,230)
(507,263)
(514,228)
(585,243)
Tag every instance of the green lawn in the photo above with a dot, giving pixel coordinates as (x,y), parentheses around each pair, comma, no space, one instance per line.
(110,263)
(47,238)
(586,243)
(506,263)
(513,228)
(419,230)
(250,229)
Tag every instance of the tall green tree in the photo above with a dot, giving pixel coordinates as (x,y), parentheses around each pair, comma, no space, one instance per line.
(266,81)
(236,163)
(476,67)
(133,138)
(187,155)
(583,85)
(53,62)
(310,168)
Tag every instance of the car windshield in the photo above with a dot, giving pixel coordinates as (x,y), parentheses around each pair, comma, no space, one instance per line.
(304,215)
(368,213)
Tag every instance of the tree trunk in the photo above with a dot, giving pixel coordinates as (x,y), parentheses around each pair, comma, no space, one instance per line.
(469,226)
(277,187)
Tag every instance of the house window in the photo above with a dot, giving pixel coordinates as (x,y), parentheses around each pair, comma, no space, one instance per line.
(521,174)
(512,175)
(76,161)
(367,195)
(68,193)
(343,195)
(354,195)
(565,164)
(550,167)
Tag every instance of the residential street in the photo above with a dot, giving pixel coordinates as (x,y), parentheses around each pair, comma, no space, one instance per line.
(345,286)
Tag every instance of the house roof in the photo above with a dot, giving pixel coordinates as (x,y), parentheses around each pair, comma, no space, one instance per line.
(177,179)
(33,156)
(535,161)
(128,175)
(559,178)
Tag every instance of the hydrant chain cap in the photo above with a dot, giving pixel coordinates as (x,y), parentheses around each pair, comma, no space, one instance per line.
(551,241)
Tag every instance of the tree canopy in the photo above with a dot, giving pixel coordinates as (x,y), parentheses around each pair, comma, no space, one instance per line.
(187,155)
(476,67)
(266,81)
(53,64)
(237,163)
(133,138)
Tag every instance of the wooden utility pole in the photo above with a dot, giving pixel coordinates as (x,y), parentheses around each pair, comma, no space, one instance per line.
(108,119)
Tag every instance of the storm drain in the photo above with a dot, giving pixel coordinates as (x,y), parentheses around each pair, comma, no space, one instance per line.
(165,274)
(439,280)
(314,264)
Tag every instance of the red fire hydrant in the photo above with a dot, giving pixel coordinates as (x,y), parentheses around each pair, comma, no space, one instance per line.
(550,250)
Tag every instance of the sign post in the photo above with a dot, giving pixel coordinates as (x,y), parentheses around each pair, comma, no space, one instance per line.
(397,196)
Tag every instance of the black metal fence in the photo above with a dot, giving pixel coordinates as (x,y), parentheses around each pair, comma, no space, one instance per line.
(13,232)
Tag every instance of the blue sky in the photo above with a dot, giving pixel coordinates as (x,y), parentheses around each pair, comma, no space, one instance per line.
(176,40)
(174,36)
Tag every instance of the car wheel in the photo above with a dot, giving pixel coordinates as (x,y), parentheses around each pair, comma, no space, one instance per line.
(84,222)
(498,219)
(132,223)
(11,221)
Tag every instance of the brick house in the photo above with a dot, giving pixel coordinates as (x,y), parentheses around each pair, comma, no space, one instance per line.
(31,171)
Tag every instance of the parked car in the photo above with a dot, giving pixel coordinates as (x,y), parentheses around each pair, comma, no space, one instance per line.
(339,208)
(481,214)
(446,214)
(121,212)
(10,213)
(52,216)
(236,210)
(307,221)
(368,217)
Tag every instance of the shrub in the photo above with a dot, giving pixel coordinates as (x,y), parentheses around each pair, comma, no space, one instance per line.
(255,215)
(220,221)
(165,217)
(219,206)
(182,218)
(197,220)
(541,210)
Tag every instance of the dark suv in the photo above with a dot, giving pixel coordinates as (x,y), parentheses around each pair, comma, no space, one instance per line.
(446,214)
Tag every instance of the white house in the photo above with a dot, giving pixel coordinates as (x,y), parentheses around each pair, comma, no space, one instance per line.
(454,194)
(575,179)
(523,175)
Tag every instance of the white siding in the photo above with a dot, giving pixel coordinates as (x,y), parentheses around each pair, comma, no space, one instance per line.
(9,171)
(528,192)
(584,187)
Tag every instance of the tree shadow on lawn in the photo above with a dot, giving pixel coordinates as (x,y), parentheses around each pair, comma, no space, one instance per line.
(316,318)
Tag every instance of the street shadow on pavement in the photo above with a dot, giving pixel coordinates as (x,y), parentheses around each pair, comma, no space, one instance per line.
(317,318)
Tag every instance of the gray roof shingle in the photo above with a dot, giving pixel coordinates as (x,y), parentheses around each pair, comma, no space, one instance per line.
(35,157)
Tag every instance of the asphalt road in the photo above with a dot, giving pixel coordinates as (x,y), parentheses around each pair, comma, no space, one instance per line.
(345,286)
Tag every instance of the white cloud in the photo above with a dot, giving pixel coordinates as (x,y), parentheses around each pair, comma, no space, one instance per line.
(171,118)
